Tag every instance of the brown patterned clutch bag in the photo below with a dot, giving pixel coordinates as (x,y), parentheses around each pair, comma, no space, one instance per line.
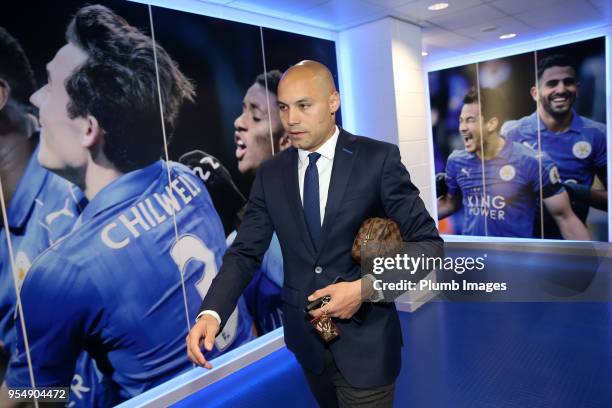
(375,230)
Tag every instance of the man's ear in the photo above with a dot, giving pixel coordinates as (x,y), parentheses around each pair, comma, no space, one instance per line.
(5,93)
(92,131)
(334,102)
(492,124)
(534,93)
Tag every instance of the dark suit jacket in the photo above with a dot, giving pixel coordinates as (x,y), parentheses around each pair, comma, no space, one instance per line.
(368,180)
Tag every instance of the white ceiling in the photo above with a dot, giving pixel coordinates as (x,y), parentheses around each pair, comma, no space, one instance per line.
(450,32)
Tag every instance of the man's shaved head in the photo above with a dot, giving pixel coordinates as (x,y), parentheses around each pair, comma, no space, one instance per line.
(308,102)
(312,70)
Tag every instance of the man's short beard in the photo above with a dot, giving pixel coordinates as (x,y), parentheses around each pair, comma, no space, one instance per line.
(558,115)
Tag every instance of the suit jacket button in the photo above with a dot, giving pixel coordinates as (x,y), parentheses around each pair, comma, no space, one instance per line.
(318,269)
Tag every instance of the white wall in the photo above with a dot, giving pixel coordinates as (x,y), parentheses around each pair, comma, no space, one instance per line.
(412,106)
(366,80)
(382,82)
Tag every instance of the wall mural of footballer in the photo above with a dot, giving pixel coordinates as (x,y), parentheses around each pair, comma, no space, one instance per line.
(122,241)
(520,149)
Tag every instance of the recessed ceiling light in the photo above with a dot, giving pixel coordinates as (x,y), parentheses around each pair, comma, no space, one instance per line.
(507,36)
(437,6)
(487,29)
(424,53)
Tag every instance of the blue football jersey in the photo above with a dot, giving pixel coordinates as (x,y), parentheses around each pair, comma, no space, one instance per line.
(503,203)
(263,295)
(43,209)
(89,387)
(113,287)
(579,152)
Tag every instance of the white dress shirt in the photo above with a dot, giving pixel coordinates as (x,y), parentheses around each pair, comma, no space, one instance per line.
(324,166)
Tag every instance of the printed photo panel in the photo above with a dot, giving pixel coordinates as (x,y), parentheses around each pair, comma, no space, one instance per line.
(511,202)
(209,184)
(538,168)
(570,100)
(459,172)
(102,301)
(497,181)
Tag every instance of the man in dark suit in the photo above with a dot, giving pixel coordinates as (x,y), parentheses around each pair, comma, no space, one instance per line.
(315,195)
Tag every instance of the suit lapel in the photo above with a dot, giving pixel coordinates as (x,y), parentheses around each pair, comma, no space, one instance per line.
(292,192)
(344,157)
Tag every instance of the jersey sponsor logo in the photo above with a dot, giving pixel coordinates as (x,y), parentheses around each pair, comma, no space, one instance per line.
(554,175)
(507,172)
(492,207)
(582,149)
(149,213)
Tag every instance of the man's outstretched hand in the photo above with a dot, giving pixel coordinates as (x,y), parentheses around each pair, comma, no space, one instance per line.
(203,333)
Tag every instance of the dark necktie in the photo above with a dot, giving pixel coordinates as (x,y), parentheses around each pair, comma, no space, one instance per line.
(312,212)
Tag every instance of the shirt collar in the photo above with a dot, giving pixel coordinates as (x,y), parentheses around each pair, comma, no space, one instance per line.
(129,185)
(505,152)
(28,189)
(575,126)
(327,149)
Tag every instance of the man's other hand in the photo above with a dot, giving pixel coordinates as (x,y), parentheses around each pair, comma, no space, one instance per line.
(345,300)
(580,197)
(203,333)
(441,187)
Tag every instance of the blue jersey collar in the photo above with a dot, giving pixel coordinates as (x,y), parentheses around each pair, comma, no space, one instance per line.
(127,186)
(575,126)
(504,152)
(30,184)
